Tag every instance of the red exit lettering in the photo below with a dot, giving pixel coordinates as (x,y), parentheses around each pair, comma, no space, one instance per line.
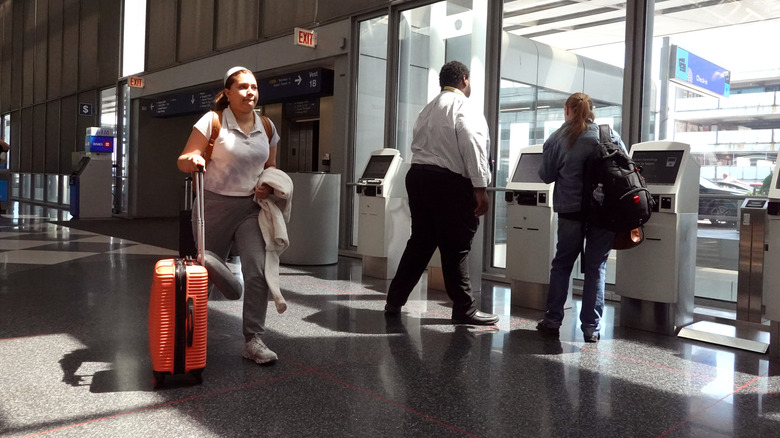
(305,37)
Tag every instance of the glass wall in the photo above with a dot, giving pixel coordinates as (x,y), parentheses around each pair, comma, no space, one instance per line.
(550,50)
(429,37)
(729,121)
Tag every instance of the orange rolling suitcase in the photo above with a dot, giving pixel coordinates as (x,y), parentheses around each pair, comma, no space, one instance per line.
(178,309)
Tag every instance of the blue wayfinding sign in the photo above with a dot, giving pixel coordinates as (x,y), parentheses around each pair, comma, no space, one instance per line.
(308,83)
(688,69)
(183,103)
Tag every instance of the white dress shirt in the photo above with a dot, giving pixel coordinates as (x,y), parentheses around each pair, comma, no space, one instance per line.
(449,133)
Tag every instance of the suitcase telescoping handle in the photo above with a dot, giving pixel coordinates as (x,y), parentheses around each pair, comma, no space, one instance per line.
(199,210)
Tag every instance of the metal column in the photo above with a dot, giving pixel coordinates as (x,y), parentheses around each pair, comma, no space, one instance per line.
(752,243)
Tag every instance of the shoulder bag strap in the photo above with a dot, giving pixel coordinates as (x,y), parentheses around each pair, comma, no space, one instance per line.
(267,126)
(216,125)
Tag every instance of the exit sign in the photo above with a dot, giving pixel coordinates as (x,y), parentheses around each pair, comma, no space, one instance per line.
(305,37)
(135,82)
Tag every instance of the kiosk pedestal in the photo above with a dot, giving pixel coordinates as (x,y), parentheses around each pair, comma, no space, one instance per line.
(384,221)
(656,279)
(531,232)
(746,332)
(90,185)
(315,233)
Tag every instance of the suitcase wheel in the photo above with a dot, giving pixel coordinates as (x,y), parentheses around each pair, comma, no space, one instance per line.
(158,380)
(198,374)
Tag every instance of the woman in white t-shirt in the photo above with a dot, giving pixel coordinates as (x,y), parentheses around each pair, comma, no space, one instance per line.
(241,152)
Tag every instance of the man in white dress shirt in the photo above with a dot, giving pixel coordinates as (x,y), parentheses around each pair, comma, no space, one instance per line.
(447,194)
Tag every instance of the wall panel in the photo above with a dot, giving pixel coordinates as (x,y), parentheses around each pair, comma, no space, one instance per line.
(329,10)
(28,51)
(53,123)
(23,142)
(54,64)
(70,44)
(108,42)
(196,30)
(237,22)
(38,139)
(6,54)
(41,52)
(17,42)
(161,25)
(284,15)
(68,128)
(88,46)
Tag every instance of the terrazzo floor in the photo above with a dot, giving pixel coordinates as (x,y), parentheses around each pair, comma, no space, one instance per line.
(74,360)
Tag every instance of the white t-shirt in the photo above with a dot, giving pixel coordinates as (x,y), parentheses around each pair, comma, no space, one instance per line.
(237,159)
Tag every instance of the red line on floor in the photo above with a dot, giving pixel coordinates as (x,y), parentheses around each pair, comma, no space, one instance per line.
(705,409)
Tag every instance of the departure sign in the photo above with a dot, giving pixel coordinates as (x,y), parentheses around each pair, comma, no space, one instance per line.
(691,71)
(308,83)
(182,103)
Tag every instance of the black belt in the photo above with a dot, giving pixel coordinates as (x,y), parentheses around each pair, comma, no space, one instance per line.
(431,168)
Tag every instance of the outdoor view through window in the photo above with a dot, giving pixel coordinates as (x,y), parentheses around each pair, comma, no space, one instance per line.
(715,85)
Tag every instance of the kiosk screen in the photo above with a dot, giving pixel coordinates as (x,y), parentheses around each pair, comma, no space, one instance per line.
(527,170)
(377,167)
(659,167)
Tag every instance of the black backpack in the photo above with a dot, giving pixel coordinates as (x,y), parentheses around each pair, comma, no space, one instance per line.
(615,194)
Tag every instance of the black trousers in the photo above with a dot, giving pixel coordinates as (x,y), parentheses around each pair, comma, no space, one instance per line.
(442,206)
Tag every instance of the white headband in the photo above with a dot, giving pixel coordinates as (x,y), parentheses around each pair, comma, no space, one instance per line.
(230,73)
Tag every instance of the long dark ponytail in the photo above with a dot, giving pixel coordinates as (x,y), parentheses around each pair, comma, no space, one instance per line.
(580,108)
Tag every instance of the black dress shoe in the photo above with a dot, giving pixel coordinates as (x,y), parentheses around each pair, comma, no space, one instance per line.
(478,318)
(391,310)
(546,330)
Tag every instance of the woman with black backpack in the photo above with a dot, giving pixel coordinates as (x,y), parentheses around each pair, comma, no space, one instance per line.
(563,162)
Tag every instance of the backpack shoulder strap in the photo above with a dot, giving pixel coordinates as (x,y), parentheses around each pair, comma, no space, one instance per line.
(605,134)
(216,126)
(267,126)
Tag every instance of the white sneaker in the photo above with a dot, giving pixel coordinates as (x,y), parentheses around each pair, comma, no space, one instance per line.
(257,351)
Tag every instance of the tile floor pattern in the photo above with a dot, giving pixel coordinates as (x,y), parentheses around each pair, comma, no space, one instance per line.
(74,360)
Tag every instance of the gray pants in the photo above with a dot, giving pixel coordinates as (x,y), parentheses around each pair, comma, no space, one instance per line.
(232,222)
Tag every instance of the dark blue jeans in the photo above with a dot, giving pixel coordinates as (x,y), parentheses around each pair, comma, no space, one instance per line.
(442,207)
(572,235)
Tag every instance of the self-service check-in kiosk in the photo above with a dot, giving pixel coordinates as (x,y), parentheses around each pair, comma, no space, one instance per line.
(531,231)
(656,279)
(384,221)
(91,180)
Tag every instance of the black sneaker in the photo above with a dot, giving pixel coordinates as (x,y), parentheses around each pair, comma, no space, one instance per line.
(546,330)
(593,337)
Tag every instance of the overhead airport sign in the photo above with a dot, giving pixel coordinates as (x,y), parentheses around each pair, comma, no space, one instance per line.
(310,83)
(182,103)
(699,74)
